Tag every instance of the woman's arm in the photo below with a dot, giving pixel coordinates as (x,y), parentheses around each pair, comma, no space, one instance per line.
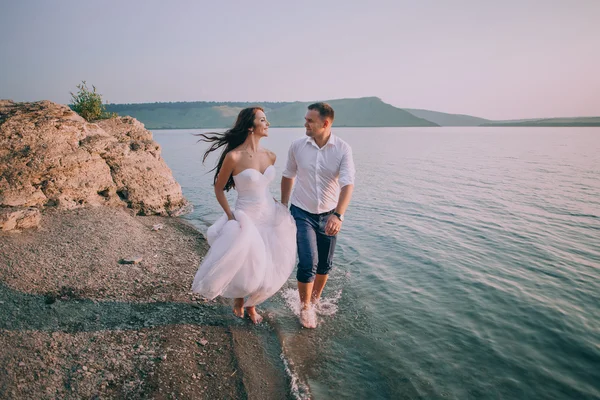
(224,174)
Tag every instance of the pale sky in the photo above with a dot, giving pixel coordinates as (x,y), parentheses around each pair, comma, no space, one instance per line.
(493,59)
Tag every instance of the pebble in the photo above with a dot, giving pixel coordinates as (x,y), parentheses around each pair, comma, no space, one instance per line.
(132,260)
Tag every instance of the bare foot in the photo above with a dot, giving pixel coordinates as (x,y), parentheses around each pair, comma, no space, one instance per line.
(308,317)
(254,316)
(315,304)
(238,307)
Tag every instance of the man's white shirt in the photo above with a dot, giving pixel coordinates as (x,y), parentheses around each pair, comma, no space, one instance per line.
(320,173)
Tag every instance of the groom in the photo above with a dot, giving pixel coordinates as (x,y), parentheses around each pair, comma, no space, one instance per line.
(323,167)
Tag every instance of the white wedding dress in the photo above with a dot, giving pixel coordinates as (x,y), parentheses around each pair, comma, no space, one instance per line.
(253,255)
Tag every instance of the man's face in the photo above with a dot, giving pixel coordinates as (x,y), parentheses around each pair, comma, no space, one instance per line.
(314,124)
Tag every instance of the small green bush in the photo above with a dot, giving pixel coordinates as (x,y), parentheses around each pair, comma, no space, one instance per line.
(88,103)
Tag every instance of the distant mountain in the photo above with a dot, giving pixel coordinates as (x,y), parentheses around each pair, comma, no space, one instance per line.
(361,112)
(558,122)
(180,115)
(445,119)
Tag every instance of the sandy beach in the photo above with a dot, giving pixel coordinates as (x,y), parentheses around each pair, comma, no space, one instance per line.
(77,322)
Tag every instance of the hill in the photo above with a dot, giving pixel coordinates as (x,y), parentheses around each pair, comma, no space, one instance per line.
(445,119)
(558,122)
(361,112)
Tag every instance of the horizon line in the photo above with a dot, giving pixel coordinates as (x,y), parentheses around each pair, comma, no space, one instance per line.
(334,99)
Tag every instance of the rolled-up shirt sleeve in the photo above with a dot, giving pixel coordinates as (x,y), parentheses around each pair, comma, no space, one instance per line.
(291,167)
(347,170)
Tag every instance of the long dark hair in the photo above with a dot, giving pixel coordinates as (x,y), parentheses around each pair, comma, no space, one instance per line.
(231,139)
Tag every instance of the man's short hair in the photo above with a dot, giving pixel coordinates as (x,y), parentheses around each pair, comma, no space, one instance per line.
(324,109)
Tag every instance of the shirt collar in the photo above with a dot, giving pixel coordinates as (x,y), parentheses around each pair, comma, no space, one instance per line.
(330,142)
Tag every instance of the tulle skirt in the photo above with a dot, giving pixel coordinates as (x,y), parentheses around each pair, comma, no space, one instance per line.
(250,257)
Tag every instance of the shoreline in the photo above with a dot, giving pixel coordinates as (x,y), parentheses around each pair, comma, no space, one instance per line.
(412,127)
(78,323)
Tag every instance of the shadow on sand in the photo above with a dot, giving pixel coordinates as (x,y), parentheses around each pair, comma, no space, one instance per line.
(23,311)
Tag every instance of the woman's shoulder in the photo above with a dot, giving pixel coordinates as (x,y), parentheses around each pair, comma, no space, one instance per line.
(271,155)
(234,155)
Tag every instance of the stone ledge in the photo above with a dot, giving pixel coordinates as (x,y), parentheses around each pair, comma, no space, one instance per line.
(12,218)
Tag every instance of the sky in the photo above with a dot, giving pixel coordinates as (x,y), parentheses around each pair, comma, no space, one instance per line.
(493,59)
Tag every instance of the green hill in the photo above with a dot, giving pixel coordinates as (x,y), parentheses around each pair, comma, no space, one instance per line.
(558,122)
(362,112)
(445,119)
(180,115)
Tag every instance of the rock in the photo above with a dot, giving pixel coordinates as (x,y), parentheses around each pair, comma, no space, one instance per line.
(131,260)
(44,162)
(50,156)
(142,177)
(157,227)
(19,218)
(203,342)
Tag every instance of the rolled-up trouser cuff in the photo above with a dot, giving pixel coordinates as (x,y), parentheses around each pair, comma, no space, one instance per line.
(305,276)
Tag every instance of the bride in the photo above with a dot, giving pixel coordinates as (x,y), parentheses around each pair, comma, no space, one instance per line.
(252,248)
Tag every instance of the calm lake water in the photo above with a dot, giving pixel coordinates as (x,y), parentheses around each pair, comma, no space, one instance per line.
(468,266)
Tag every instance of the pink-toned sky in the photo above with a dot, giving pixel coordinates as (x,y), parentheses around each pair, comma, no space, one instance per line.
(493,59)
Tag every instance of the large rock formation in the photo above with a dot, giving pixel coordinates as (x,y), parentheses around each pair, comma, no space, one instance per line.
(50,156)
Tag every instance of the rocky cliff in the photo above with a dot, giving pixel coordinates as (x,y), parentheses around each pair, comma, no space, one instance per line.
(51,157)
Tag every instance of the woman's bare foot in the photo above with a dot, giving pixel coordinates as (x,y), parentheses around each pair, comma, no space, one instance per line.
(308,317)
(238,307)
(254,315)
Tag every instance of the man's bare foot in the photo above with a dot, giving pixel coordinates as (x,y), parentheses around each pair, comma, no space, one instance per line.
(308,317)
(315,303)
(238,307)
(254,316)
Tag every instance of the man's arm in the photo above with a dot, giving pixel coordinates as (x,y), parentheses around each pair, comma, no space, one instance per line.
(346,179)
(344,200)
(286,189)
(347,172)
(334,224)
(287,180)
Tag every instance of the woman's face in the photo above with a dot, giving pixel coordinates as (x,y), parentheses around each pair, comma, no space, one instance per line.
(261,125)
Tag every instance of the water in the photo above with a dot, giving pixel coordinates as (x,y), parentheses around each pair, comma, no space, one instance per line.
(468,266)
